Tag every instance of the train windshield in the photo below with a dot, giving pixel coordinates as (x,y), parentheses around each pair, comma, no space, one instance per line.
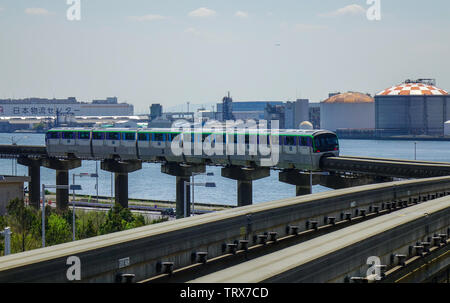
(326,142)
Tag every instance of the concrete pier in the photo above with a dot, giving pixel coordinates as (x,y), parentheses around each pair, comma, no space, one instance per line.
(301,181)
(245,177)
(182,173)
(34,186)
(62,168)
(121,169)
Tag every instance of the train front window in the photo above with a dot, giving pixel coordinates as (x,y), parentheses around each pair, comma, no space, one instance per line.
(326,142)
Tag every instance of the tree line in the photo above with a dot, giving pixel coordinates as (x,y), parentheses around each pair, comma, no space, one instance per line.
(26,224)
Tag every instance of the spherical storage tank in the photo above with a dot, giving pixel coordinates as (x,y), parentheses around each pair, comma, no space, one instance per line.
(415,107)
(306,125)
(351,110)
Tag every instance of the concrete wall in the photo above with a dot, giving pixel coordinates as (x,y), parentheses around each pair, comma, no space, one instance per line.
(175,241)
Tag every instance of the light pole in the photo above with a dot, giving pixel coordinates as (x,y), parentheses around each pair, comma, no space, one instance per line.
(311,173)
(77,187)
(7,233)
(43,205)
(415,150)
(193,187)
(206,184)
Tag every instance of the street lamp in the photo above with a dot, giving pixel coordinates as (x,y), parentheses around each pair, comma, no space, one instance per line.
(77,187)
(205,184)
(193,175)
(325,173)
(43,206)
(7,233)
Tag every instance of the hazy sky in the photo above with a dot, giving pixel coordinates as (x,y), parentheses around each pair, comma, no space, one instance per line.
(175,51)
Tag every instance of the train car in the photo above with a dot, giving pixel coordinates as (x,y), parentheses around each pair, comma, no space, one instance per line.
(299,149)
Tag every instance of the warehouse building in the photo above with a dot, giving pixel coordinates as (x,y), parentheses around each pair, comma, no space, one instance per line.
(415,107)
(41,107)
(350,110)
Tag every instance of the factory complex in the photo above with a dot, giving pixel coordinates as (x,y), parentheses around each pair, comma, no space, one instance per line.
(411,109)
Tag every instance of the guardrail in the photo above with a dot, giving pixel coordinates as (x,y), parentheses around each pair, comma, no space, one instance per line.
(155,249)
(406,246)
(385,167)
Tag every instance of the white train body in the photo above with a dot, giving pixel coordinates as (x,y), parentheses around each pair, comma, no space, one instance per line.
(300,149)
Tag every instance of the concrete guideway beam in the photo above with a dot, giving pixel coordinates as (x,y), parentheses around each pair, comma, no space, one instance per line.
(245,177)
(121,169)
(338,182)
(62,168)
(182,173)
(34,186)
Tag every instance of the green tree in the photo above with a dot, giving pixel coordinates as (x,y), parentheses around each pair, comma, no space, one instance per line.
(120,218)
(57,230)
(22,219)
(113,222)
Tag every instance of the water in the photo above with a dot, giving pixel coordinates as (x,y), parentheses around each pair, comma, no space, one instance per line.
(150,183)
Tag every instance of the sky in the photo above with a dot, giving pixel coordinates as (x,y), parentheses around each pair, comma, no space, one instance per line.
(171,52)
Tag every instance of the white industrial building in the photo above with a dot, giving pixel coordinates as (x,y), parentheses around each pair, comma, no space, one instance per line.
(415,107)
(34,107)
(350,110)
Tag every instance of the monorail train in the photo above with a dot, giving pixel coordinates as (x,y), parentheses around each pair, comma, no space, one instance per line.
(300,149)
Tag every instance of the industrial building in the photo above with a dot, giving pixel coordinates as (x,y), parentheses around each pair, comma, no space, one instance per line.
(289,114)
(11,187)
(415,107)
(350,110)
(40,107)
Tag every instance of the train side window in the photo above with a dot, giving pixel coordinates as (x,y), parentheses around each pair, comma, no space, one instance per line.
(84,135)
(309,141)
(112,136)
(290,140)
(247,139)
(129,136)
(142,137)
(98,136)
(53,135)
(303,141)
(157,137)
(67,135)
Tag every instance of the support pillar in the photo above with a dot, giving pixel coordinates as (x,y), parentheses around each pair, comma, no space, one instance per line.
(301,181)
(62,168)
(34,186)
(121,169)
(183,174)
(182,190)
(245,177)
